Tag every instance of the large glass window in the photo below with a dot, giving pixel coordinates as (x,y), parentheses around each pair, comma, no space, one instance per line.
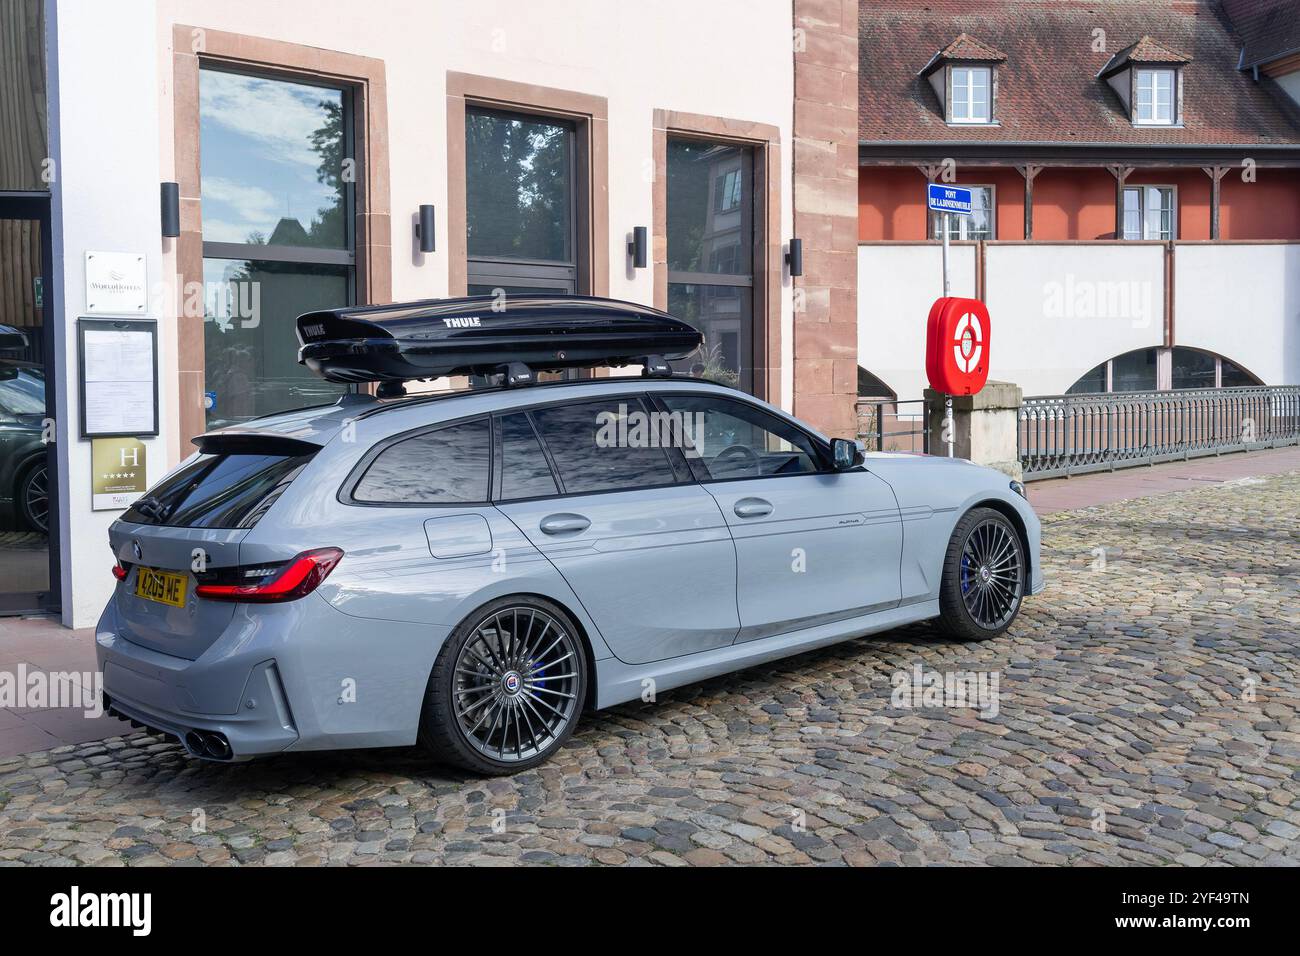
(443,466)
(1149,212)
(520,212)
(604,445)
(711,255)
(249,344)
(277,192)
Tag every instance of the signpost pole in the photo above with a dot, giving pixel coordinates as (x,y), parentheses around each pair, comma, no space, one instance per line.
(946,291)
(947,417)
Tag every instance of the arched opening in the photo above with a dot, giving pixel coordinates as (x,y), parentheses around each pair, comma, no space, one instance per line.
(1140,371)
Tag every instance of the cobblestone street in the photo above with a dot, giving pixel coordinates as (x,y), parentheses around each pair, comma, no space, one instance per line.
(1148,714)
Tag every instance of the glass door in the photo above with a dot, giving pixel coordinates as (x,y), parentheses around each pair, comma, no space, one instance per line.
(28,579)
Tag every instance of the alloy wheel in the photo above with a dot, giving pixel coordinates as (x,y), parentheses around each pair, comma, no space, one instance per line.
(992,574)
(516,684)
(36,498)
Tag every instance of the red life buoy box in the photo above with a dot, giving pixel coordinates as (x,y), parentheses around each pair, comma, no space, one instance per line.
(957,345)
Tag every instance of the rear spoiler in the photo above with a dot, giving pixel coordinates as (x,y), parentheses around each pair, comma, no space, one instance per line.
(234,441)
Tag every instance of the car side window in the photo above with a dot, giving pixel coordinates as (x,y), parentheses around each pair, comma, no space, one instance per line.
(732,439)
(525,472)
(597,445)
(443,466)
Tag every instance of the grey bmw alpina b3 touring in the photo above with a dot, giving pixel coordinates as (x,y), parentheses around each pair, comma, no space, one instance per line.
(470,571)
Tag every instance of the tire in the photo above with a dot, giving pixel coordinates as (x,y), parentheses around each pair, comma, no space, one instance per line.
(984,576)
(32,497)
(516,666)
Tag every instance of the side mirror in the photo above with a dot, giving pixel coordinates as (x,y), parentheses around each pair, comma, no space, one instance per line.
(846,454)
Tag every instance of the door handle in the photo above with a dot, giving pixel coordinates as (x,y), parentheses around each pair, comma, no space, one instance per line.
(752,508)
(564,523)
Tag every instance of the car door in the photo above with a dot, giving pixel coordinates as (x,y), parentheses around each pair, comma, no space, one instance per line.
(813,545)
(644,547)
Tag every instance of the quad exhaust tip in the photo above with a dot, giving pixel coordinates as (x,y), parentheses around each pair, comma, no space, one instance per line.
(208,744)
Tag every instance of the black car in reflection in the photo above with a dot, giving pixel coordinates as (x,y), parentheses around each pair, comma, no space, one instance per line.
(24,491)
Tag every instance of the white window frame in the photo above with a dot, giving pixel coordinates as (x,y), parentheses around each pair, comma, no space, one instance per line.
(1153,74)
(961,224)
(970,119)
(1141,190)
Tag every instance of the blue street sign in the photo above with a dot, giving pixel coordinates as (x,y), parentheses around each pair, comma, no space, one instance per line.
(952,199)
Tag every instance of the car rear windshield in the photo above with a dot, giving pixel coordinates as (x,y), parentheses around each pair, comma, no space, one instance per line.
(218,491)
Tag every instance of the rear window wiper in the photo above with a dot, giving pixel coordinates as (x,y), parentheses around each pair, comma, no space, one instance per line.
(151,507)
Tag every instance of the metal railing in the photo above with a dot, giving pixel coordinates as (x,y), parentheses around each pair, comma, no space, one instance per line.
(891,425)
(1073,434)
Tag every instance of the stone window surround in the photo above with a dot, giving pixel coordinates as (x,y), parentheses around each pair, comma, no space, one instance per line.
(769,258)
(590,116)
(365,78)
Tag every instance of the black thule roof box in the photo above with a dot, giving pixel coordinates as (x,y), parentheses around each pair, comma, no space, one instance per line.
(484,335)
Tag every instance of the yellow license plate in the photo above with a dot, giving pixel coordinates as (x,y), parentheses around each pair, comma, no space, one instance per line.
(165,587)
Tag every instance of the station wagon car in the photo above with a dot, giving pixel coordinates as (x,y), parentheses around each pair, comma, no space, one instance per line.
(471,571)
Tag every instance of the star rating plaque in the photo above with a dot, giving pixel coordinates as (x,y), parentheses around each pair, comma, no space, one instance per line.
(118,472)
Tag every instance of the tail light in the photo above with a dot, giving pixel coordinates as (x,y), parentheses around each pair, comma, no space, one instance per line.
(269,583)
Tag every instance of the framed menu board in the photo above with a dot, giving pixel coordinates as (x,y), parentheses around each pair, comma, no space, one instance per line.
(118,366)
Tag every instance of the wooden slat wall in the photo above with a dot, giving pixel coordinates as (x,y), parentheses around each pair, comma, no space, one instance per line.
(23,133)
(20,264)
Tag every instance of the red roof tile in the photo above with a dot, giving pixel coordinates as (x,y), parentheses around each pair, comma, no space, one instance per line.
(966,47)
(1048,88)
(1146,50)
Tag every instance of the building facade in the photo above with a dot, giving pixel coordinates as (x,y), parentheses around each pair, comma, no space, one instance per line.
(303,140)
(1136,177)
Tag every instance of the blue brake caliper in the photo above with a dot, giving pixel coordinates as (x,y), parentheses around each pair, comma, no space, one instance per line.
(965,574)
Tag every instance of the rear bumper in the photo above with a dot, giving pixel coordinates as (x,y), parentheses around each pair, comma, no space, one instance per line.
(295,676)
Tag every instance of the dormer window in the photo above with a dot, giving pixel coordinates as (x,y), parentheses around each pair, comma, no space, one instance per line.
(1153,101)
(1148,79)
(972,94)
(964,77)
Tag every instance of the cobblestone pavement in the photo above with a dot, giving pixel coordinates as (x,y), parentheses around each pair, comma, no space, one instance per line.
(1148,715)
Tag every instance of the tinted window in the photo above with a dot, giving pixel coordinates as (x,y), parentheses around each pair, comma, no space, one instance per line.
(1192,369)
(597,448)
(735,440)
(446,465)
(1234,376)
(525,472)
(1134,371)
(218,491)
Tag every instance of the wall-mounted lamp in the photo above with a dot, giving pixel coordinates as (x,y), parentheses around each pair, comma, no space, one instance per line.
(424,229)
(637,247)
(171,210)
(794,258)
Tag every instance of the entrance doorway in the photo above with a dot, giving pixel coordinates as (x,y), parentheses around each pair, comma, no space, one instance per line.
(29,577)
